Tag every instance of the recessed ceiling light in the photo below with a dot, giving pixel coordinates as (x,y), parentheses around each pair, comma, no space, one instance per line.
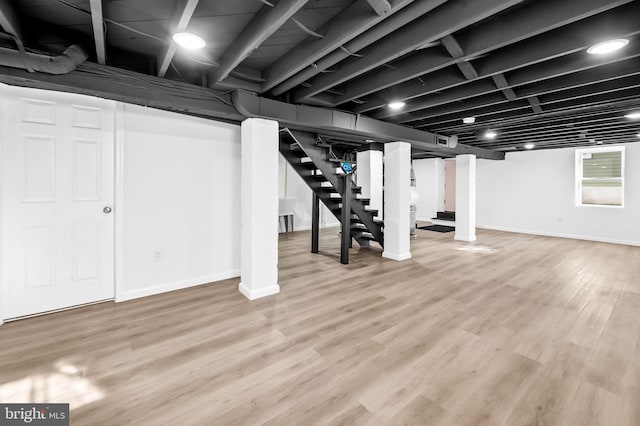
(368,140)
(469,120)
(607,46)
(529,145)
(633,115)
(189,41)
(396,105)
(490,134)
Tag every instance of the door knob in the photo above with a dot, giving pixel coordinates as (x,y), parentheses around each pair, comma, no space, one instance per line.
(106,210)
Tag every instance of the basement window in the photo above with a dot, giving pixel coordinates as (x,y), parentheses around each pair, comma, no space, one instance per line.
(600,177)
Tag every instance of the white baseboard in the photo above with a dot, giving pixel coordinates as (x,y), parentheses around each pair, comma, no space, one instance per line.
(261,292)
(394,256)
(559,235)
(176,285)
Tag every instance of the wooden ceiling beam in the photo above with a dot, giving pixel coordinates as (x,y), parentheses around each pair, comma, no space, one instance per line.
(180,21)
(9,20)
(267,21)
(98,31)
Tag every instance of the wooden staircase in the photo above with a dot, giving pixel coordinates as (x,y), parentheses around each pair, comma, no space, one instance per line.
(314,163)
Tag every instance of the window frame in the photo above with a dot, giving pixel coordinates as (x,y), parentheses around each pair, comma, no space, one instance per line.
(579,174)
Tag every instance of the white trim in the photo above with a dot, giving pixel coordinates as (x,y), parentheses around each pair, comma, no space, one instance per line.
(177,285)
(2,195)
(399,257)
(444,222)
(256,294)
(118,130)
(559,235)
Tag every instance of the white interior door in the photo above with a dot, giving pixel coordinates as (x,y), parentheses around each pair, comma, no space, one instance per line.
(58,177)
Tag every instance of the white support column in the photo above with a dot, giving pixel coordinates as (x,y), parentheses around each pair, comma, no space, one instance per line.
(397,181)
(465,197)
(259,208)
(369,173)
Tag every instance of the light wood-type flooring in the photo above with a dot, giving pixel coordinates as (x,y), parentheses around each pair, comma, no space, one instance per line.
(510,330)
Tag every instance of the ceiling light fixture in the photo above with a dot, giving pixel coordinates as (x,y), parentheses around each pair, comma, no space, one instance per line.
(189,41)
(638,135)
(469,120)
(396,105)
(529,145)
(633,115)
(607,46)
(490,134)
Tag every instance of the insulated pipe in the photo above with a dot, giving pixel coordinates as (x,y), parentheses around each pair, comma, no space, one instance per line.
(73,56)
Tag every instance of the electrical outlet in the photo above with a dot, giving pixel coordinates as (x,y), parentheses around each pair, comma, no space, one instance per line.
(157,255)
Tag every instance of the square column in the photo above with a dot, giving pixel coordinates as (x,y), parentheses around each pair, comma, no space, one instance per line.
(259,208)
(465,197)
(369,174)
(397,182)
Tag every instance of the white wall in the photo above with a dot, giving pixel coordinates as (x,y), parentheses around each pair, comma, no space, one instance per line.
(430,186)
(534,192)
(181,212)
(296,187)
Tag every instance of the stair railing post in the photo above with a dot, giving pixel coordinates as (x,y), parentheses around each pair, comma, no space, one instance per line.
(345,240)
(315,223)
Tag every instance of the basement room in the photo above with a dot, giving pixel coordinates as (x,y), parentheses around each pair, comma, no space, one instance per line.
(320,212)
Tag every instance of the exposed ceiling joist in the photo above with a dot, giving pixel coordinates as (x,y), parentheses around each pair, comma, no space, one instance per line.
(541,133)
(345,30)
(577,101)
(523,122)
(490,36)
(503,85)
(184,10)
(575,71)
(448,18)
(585,78)
(535,104)
(381,7)
(262,26)
(453,47)
(554,124)
(9,20)
(98,30)
(616,128)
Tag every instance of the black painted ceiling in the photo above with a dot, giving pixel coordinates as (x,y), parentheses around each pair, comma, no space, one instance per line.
(520,67)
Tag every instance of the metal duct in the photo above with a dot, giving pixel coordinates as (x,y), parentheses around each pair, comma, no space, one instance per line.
(314,119)
(73,56)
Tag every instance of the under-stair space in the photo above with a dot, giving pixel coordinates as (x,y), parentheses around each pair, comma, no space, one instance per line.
(445,218)
(323,174)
